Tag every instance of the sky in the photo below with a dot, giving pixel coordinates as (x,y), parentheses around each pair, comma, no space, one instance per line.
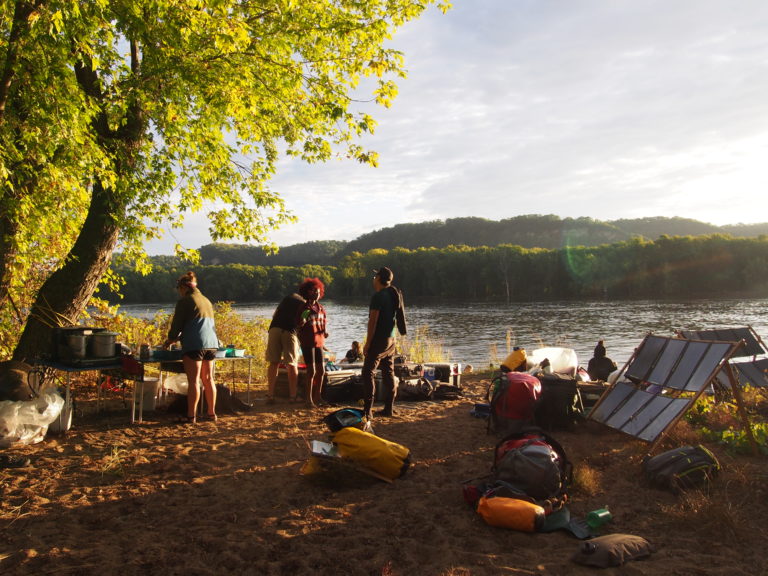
(607,109)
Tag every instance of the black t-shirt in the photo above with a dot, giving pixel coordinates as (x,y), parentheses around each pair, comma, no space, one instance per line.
(286,315)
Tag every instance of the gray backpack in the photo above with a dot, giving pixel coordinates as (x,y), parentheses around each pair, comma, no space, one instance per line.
(532,464)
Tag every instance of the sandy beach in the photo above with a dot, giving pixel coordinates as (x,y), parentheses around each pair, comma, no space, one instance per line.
(108,497)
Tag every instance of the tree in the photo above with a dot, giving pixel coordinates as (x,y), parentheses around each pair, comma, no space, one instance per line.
(118,116)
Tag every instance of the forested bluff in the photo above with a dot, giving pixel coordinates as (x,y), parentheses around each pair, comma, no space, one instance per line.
(526,258)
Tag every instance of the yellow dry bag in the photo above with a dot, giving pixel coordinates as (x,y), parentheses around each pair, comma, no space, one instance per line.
(386,458)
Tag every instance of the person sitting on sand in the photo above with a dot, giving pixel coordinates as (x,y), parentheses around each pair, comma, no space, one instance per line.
(600,366)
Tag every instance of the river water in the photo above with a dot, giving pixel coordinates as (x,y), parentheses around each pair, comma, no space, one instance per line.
(479,333)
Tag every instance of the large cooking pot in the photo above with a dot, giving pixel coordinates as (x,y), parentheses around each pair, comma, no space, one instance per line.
(103,344)
(76,344)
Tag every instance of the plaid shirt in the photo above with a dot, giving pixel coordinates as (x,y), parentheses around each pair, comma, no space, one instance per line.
(313,333)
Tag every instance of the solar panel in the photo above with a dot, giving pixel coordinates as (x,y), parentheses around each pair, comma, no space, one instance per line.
(706,368)
(632,406)
(667,362)
(671,364)
(608,403)
(752,345)
(646,357)
(688,363)
(756,373)
(666,410)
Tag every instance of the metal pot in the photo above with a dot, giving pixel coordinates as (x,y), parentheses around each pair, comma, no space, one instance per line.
(103,344)
(76,344)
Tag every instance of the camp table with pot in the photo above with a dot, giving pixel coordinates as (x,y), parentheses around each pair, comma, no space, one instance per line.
(80,349)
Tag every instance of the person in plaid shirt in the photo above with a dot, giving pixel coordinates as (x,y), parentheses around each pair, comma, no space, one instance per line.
(312,334)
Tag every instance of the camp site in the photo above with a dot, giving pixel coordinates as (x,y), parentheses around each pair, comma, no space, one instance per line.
(272,488)
(383,288)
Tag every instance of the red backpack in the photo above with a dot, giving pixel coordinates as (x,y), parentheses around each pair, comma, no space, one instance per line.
(513,402)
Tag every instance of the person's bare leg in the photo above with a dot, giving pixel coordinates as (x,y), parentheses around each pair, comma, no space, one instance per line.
(317,388)
(310,396)
(209,387)
(192,370)
(293,380)
(271,379)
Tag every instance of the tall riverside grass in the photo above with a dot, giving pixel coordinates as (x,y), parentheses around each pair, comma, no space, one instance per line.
(421,346)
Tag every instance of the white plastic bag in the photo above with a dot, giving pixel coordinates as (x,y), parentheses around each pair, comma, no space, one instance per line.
(26,422)
(176,383)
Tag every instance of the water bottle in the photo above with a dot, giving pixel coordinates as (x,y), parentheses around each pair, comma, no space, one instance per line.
(597,518)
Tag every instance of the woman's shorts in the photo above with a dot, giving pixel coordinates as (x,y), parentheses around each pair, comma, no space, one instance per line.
(200,354)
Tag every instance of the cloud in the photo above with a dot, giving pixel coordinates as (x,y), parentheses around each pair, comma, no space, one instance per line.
(577,108)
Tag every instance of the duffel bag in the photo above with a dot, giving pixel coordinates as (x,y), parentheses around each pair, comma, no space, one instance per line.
(681,468)
(386,458)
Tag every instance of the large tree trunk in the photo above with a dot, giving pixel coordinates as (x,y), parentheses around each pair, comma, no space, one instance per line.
(67,291)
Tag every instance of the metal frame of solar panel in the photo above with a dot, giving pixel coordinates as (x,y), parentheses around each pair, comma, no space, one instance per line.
(665,375)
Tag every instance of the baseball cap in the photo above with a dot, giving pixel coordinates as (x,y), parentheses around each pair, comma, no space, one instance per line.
(384,274)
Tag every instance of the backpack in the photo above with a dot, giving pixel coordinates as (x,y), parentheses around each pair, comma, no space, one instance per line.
(559,406)
(681,468)
(343,418)
(513,399)
(228,403)
(417,389)
(447,392)
(531,464)
(397,297)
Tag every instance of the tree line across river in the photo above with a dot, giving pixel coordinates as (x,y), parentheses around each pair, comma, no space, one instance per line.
(668,267)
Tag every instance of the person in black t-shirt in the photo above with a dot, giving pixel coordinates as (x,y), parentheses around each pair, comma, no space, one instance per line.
(283,344)
(386,315)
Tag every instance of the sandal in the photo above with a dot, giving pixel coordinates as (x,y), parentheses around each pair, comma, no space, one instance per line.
(209,418)
(186,420)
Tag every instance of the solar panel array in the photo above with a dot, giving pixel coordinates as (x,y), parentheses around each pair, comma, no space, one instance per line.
(666,375)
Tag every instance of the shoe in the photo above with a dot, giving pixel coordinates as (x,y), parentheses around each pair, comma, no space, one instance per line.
(209,418)
(186,420)
(7,461)
(385,413)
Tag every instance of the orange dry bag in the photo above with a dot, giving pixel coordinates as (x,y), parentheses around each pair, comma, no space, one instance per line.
(511,513)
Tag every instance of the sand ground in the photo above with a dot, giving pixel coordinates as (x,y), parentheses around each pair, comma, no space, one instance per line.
(108,497)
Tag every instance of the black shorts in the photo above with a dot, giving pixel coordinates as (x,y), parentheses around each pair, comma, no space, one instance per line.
(200,354)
